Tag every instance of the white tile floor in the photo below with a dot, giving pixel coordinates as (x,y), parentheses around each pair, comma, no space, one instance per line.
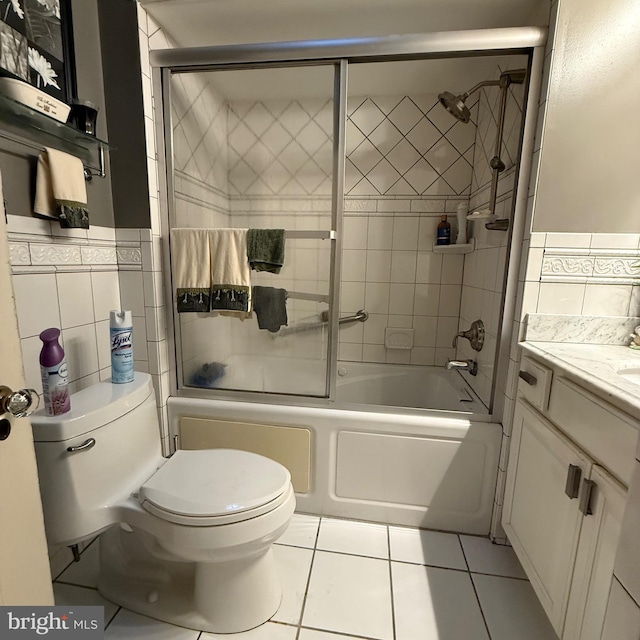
(349,580)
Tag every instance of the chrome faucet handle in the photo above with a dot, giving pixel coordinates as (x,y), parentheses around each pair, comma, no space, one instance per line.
(475,335)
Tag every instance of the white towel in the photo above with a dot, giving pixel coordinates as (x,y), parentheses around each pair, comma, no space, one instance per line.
(230,272)
(61,191)
(191,269)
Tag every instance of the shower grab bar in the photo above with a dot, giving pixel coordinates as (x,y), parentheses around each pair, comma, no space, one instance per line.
(360,316)
(314,297)
(311,234)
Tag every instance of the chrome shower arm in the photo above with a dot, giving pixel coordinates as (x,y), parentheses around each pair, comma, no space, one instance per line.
(485,83)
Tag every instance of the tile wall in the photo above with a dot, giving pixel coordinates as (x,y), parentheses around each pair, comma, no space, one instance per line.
(484,269)
(67,279)
(72,279)
(408,162)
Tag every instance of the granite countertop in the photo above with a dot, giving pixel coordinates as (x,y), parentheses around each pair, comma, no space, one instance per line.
(595,367)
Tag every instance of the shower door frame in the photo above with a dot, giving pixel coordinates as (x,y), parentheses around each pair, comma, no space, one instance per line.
(528,41)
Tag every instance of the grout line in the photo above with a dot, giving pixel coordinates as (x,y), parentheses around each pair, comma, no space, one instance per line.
(306,590)
(392,603)
(79,586)
(341,633)
(464,555)
(112,618)
(475,591)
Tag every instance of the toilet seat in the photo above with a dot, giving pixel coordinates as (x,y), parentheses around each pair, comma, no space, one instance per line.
(215,487)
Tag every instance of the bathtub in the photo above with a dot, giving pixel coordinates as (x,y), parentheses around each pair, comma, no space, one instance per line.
(434,468)
(408,386)
(405,386)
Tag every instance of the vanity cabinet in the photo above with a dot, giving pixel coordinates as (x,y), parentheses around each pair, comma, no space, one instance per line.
(564,503)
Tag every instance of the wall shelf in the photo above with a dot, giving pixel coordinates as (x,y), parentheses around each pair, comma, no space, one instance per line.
(28,127)
(455,248)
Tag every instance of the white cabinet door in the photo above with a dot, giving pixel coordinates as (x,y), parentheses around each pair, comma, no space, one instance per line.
(593,571)
(540,519)
(623,616)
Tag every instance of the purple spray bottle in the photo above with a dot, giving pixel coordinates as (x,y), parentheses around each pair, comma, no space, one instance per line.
(54,370)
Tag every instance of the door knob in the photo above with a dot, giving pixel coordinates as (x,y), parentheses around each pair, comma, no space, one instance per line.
(18,403)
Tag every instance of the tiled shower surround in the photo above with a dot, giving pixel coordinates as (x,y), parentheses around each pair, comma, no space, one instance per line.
(408,162)
(560,273)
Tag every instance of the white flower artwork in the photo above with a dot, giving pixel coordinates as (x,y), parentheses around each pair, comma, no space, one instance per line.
(43,68)
(15,5)
(52,6)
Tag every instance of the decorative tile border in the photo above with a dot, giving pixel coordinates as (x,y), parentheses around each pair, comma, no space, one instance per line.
(98,255)
(591,266)
(33,247)
(54,254)
(129,256)
(19,253)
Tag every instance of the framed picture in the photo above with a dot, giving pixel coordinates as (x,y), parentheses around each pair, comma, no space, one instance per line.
(36,45)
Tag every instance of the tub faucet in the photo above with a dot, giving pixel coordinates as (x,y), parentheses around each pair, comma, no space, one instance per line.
(465,365)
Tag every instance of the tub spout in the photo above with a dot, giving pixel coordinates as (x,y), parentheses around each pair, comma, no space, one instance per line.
(466,365)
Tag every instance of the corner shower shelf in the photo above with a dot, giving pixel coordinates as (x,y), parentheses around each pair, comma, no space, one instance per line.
(455,248)
(36,130)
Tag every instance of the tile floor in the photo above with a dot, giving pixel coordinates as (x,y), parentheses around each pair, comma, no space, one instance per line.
(350,580)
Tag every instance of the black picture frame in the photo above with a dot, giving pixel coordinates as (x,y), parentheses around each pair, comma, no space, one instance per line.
(36,45)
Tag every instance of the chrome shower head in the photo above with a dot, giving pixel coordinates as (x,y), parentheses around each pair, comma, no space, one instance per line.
(455,105)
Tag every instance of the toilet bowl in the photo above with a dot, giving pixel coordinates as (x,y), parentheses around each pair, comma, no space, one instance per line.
(185,539)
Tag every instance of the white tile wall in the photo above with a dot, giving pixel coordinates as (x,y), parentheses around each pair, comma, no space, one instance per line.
(76,298)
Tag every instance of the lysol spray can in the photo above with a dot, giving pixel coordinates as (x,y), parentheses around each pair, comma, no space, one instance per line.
(121,330)
(55,374)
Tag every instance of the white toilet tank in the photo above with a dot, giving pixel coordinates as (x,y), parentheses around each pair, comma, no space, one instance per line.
(115,430)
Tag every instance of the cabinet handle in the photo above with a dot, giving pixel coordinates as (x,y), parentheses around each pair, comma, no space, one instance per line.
(529,378)
(585,498)
(572,487)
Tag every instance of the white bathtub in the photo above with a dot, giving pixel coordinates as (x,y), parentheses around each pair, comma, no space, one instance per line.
(405,386)
(433,468)
(392,385)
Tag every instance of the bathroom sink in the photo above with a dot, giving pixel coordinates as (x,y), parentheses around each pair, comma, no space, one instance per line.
(632,374)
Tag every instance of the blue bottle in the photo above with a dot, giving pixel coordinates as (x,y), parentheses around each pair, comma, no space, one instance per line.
(121,329)
(443,235)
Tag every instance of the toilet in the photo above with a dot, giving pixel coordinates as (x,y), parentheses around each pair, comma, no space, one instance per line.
(186,539)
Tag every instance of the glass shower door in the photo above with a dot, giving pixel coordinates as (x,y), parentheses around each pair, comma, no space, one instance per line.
(254,149)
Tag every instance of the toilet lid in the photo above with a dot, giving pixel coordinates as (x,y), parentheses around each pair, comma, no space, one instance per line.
(215,482)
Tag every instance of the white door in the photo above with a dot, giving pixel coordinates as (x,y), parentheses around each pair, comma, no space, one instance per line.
(540,519)
(25,578)
(593,572)
(623,616)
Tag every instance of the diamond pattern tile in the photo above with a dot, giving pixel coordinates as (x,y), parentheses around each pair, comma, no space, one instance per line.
(258,119)
(365,157)
(383,176)
(421,175)
(276,138)
(385,137)
(367,116)
(403,156)
(442,155)
(406,115)
(424,135)
(286,147)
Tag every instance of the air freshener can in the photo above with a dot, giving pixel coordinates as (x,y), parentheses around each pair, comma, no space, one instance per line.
(55,374)
(121,331)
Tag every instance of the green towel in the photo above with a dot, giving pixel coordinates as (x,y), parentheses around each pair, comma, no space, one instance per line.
(270,307)
(265,249)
